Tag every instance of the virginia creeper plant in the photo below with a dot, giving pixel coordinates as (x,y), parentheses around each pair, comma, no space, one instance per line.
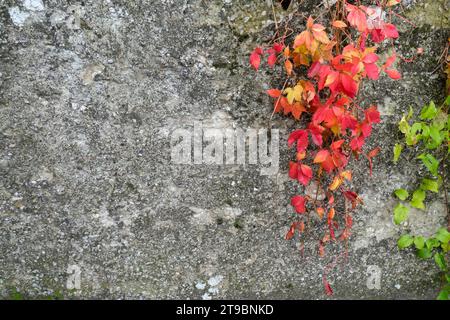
(326,65)
(428,139)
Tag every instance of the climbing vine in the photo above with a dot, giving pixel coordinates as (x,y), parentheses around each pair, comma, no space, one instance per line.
(325,66)
(428,139)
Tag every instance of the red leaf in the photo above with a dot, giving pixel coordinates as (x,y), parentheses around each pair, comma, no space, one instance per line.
(255,58)
(370,155)
(370,58)
(290,233)
(316,133)
(393,74)
(374,152)
(357,143)
(328,164)
(350,85)
(337,144)
(314,69)
(366,129)
(298,202)
(293,170)
(328,289)
(372,115)
(353,198)
(372,71)
(390,61)
(348,121)
(357,18)
(390,31)
(272,60)
(278,47)
(301,137)
(304,174)
(377,35)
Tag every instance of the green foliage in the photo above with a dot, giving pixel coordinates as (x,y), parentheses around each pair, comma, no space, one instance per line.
(397,151)
(405,241)
(430,137)
(417,199)
(400,213)
(402,194)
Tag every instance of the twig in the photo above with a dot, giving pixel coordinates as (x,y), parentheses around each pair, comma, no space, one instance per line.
(444,180)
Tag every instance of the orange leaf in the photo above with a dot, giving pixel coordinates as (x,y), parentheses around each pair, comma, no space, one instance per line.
(347,174)
(339,24)
(317,27)
(301,155)
(321,156)
(288,65)
(321,36)
(310,22)
(331,78)
(331,214)
(297,110)
(320,212)
(391,3)
(374,152)
(274,93)
(337,181)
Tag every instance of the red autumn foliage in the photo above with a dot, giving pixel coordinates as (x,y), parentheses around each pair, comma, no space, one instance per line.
(325,74)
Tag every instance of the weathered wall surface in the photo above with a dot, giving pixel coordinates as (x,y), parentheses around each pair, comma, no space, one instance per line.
(90,92)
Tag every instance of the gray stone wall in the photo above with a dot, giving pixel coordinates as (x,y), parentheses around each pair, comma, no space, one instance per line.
(91,205)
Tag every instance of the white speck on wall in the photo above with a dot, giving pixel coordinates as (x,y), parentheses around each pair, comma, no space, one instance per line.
(214,281)
(397,286)
(200,285)
(34,5)
(18,17)
(104,217)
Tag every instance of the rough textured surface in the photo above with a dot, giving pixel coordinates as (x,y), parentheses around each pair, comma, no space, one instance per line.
(89,94)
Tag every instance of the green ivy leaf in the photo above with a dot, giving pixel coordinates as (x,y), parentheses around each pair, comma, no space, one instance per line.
(402,194)
(419,242)
(443,295)
(424,253)
(417,199)
(425,131)
(445,247)
(447,101)
(397,151)
(405,241)
(430,162)
(403,126)
(432,243)
(435,134)
(443,235)
(440,261)
(428,112)
(400,213)
(430,185)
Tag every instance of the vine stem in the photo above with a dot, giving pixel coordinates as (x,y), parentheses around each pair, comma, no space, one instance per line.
(444,180)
